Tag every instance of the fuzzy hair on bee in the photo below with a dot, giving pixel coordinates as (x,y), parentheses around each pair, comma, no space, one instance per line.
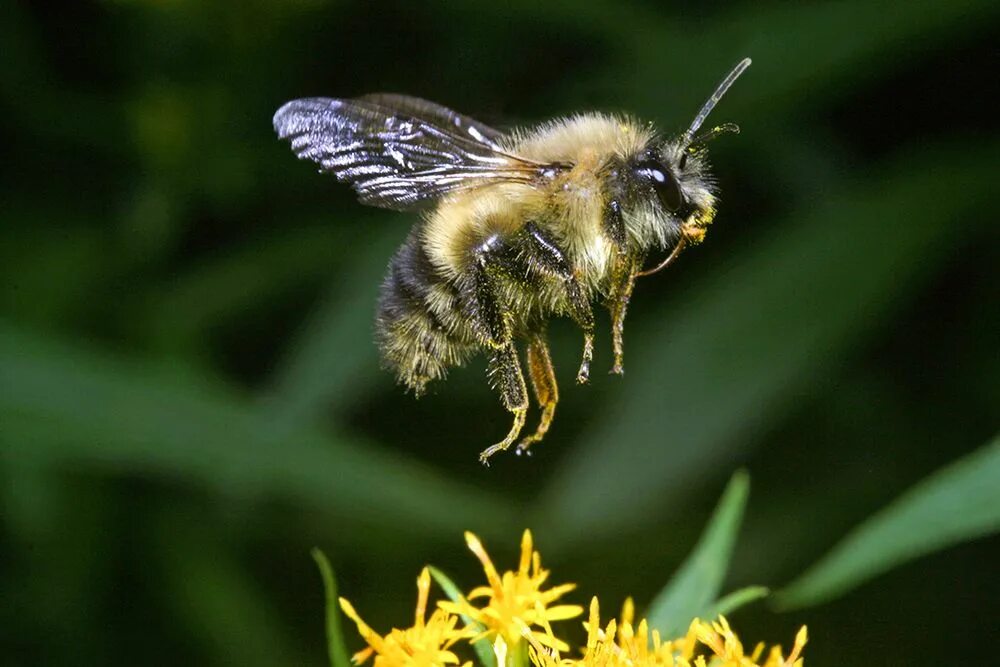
(519,227)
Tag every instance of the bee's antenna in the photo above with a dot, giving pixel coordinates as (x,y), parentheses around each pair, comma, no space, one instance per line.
(714,99)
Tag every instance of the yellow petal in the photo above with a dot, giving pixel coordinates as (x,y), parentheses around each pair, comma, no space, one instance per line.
(480,592)
(423,590)
(594,624)
(526,551)
(373,638)
(447,657)
(800,642)
(453,607)
(611,631)
(556,592)
(642,635)
(628,611)
(362,655)
(476,547)
(551,642)
(561,612)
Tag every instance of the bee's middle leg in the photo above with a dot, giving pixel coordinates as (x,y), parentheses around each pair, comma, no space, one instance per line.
(544,252)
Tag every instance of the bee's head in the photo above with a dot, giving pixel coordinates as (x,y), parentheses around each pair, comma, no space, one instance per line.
(675,181)
(672,175)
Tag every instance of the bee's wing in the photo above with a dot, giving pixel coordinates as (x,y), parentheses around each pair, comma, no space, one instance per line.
(437,115)
(398,152)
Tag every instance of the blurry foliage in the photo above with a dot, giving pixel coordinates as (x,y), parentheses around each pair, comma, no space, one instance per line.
(695,587)
(190,399)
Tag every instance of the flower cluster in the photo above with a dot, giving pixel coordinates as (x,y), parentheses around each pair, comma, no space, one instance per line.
(514,613)
(426,644)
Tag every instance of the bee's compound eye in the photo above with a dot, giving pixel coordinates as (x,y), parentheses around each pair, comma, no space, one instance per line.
(665,185)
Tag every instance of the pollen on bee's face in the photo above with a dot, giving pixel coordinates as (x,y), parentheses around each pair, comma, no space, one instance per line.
(693,233)
(702,217)
(696,225)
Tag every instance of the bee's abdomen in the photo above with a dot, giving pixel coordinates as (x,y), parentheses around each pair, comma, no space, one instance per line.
(419,325)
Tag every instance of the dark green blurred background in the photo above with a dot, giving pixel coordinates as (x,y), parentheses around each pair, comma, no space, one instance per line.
(190,398)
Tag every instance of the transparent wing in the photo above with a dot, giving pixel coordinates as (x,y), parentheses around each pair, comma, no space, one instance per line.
(398,152)
(436,114)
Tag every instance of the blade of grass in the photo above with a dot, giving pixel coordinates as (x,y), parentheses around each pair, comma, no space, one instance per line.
(225,286)
(214,598)
(697,583)
(733,601)
(743,344)
(958,503)
(824,47)
(336,649)
(821,42)
(482,646)
(333,359)
(77,409)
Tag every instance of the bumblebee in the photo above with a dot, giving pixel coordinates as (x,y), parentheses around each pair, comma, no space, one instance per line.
(524,226)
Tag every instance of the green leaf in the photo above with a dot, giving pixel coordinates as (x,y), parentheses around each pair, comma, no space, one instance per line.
(740,347)
(225,287)
(822,42)
(81,410)
(730,603)
(958,503)
(333,362)
(213,597)
(336,649)
(696,584)
(483,649)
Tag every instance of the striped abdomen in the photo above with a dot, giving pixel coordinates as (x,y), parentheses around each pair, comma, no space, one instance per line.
(419,326)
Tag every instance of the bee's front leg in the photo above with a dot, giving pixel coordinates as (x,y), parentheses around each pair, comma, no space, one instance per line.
(543,253)
(623,280)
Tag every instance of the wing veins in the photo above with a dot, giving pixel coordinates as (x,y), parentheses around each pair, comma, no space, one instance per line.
(395,160)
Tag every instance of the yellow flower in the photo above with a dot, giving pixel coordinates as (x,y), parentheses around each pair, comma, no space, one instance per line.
(515,601)
(515,608)
(617,645)
(620,645)
(724,643)
(426,644)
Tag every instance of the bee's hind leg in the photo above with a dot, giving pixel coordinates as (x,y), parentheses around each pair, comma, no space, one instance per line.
(494,326)
(506,376)
(543,381)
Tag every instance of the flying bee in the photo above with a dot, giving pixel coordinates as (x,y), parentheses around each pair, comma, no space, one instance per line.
(525,226)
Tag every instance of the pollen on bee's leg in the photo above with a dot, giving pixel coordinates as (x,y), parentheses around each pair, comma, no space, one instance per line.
(520,416)
(543,381)
(505,373)
(548,412)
